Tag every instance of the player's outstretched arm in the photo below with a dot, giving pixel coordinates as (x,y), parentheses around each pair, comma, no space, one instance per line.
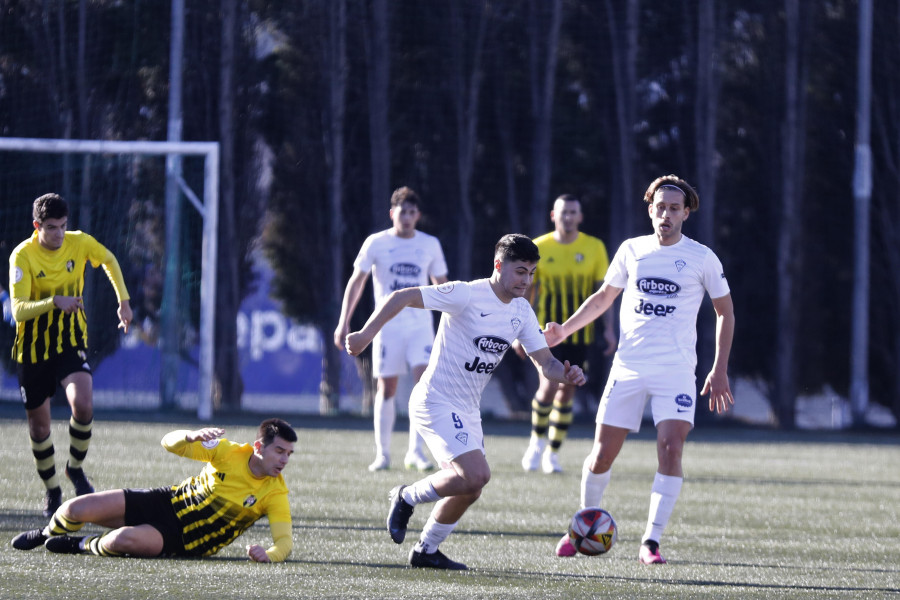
(717,385)
(397,301)
(595,305)
(204,435)
(352,293)
(556,371)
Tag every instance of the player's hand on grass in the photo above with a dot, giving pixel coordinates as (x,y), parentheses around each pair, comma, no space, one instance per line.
(204,435)
(719,390)
(257,553)
(574,374)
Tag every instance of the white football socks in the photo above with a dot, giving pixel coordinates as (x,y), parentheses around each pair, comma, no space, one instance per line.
(384,415)
(593,485)
(432,535)
(663,496)
(419,492)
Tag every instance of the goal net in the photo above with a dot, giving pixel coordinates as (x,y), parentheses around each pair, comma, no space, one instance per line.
(116,192)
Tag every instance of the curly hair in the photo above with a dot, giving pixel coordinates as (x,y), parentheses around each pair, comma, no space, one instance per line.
(691,199)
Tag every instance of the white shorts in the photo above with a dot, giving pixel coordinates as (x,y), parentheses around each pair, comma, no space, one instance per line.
(398,346)
(448,431)
(671,390)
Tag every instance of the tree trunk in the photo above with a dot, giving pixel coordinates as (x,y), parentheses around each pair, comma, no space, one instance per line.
(466,92)
(543,87)
(376,32)
(378,61)
(788,258)
(228,384)
(503,118)
(705,132)
(623,38)
(336,57)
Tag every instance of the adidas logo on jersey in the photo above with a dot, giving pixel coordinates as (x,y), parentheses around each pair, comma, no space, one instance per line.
(40,274)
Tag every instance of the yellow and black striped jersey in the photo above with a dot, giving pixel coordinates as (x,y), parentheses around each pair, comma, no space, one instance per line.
(222,502)
(36,274)
(565,276)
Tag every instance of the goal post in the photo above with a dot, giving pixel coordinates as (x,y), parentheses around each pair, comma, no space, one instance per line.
(208,209)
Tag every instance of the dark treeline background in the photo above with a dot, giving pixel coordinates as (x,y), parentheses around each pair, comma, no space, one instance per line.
(490,109)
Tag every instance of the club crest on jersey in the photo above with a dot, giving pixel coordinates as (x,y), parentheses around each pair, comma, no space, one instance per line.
(579,257)
(210,444)
(491,344)
(445,288)
(16,275)
(463,437)
(249,501)
(515,322)
(70,265)
(680,264)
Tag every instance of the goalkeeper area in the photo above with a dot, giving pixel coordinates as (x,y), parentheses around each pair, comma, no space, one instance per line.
(117,193)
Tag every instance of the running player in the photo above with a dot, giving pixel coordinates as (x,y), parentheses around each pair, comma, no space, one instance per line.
(479,322)
(239,484)
(46,281)
(399,257)
(664,277)
(572,268)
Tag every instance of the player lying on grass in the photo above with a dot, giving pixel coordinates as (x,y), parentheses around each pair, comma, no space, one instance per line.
(198,517)
(480,320)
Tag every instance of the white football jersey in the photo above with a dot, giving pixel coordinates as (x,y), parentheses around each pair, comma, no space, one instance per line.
(663,287)
(397,263)
(476,330)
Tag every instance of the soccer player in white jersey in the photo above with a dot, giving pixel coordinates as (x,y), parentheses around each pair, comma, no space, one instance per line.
(479,322)
(399,257)
(662,278)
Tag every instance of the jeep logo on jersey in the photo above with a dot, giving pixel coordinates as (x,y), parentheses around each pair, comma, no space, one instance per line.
(657,286)
(405,269)
(489,343)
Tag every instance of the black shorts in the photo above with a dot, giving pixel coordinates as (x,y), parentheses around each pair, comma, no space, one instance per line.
(154,507)
(38,381)
(576,354)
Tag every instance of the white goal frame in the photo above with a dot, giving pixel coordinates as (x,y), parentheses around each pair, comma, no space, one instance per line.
(208,209)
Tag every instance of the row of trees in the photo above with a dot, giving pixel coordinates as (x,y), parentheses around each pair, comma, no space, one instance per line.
(490,109)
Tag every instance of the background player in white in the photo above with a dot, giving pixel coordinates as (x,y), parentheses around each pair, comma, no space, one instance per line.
(664,277)
(399,257)
(480,320)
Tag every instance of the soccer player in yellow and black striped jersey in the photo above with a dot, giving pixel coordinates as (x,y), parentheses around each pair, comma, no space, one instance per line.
(198,517)
(46,280)
(572,268)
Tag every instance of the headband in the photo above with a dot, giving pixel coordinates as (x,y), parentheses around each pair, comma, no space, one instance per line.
(672,187)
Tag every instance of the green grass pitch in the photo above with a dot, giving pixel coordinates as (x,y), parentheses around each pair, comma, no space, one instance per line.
(762,514)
